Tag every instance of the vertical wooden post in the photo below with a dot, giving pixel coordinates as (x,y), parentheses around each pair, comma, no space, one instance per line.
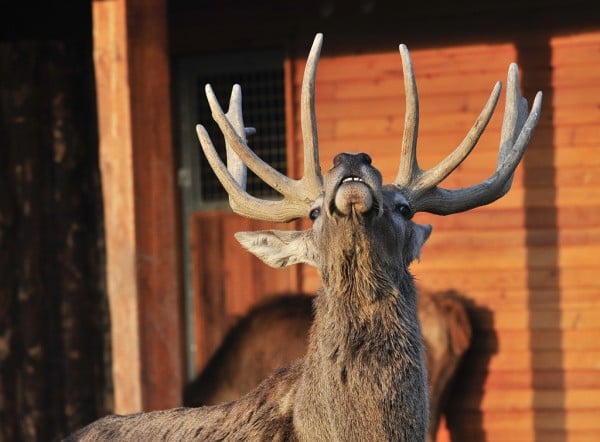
(138,182)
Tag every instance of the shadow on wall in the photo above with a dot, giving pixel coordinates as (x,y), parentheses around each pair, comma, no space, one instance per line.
(543,288)
(541,216)
(464,415)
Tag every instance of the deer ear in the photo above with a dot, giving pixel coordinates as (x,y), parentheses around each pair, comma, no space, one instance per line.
(421,234)
(280,248)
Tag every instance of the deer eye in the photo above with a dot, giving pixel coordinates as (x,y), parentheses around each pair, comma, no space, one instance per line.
(404,210)
(314,213)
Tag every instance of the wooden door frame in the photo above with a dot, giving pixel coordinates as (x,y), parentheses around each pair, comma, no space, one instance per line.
(131,61)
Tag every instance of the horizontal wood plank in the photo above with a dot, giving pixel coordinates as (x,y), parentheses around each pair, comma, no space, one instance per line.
(523,400)
(518,379)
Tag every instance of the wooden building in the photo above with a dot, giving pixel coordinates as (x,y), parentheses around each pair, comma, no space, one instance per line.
(176,280)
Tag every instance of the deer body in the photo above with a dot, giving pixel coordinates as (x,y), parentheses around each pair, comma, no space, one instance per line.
(276,333)
(363,377)
(262,414)
(364,372)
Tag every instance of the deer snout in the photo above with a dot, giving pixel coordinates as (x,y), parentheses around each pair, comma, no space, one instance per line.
(352,159)
(353,185)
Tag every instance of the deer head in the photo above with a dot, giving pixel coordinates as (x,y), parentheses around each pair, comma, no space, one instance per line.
(350,198)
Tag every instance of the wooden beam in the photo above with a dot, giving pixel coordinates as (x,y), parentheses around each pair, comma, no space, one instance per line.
(138,184)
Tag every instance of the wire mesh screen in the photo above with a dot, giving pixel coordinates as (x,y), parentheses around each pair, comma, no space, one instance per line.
(263,108)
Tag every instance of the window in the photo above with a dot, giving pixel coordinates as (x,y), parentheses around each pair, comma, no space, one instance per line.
(261,77)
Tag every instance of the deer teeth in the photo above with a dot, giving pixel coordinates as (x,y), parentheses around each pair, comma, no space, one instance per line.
(354,179)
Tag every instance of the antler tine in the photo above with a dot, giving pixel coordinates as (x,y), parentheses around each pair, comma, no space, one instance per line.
(512,120)
(298,195)
(408,161)
(235,165)
(517,129)
(272,177)
(515,118)
(312,169)
(409,173)
(243,203)
(438,173)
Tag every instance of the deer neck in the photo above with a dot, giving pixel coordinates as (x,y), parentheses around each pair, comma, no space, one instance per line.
(365,362)
(374,309)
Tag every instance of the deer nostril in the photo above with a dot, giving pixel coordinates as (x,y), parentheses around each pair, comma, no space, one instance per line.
(338,159)
(365,158)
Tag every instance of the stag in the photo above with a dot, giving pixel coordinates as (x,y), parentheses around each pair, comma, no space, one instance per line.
(275,333)
(363,376)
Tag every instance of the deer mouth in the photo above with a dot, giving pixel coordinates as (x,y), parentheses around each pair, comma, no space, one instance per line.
(355,194)
(353,179)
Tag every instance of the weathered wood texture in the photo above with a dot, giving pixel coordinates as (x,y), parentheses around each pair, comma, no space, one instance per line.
(54,346)
(137,164)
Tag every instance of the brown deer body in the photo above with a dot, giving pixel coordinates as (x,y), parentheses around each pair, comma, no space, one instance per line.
(363,377)
(275,333)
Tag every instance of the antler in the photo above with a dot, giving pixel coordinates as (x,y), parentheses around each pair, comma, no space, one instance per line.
(420,187)
(298,195)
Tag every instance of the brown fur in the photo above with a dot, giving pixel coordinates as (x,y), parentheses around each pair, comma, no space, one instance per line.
(275,333)
(363,377)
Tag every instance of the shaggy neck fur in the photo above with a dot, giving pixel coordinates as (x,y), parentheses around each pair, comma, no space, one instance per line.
(365,359)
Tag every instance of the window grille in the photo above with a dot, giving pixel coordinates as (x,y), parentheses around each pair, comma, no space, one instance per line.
(261,77)
(263,108)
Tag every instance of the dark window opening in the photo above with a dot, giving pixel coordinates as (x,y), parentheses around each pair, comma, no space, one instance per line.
(263,105)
